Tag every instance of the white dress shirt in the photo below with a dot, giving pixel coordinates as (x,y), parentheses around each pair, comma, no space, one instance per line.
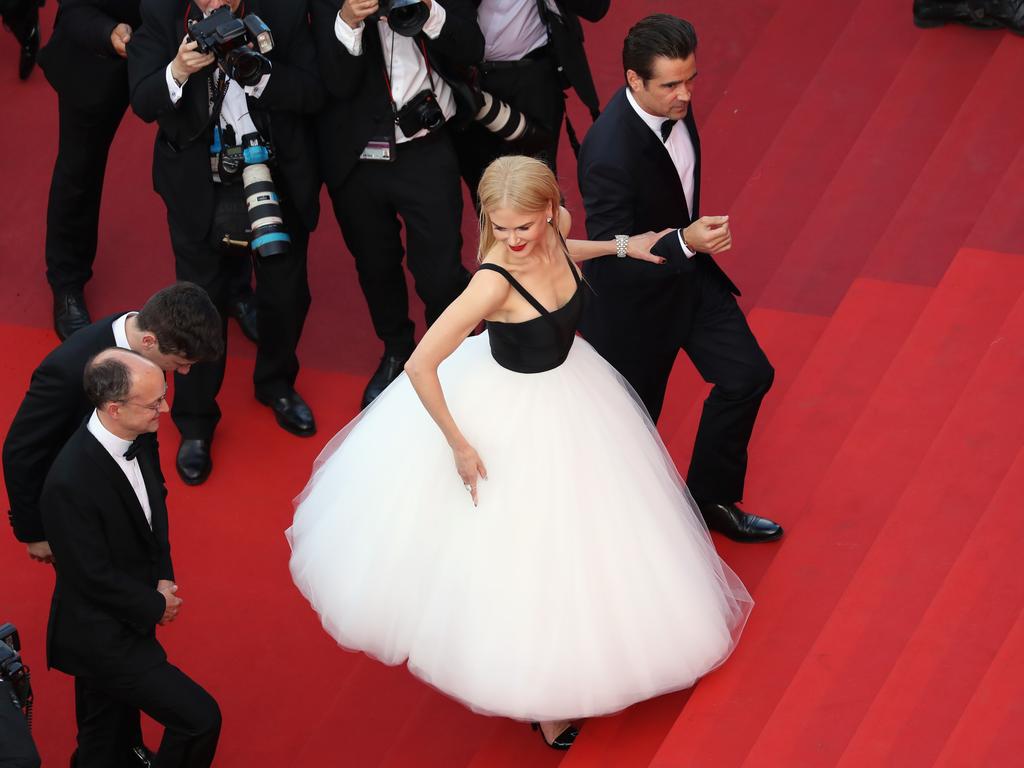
(511,28)
(406,72)
(680,150)
(116,447)
(120,333)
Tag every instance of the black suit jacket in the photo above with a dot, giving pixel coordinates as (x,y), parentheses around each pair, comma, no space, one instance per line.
(358,105)
(566,41)
(105,606)
(54,406)
(181,158)
(79,60)
(629,186)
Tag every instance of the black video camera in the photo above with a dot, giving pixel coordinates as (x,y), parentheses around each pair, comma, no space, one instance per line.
(13,671)
(228,39)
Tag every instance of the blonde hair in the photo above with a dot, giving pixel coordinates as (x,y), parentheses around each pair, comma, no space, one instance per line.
(522,184)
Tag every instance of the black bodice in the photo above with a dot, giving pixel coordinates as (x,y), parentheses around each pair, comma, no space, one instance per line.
(538,344)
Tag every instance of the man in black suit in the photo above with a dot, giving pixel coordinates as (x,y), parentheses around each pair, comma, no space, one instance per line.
(533,49)
(639,170)
(175,329)
(384,159)
(202,114)
(84,61)
(103,507)
(22,18)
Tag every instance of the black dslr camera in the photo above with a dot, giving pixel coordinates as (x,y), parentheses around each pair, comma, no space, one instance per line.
(406,17)
(228,38)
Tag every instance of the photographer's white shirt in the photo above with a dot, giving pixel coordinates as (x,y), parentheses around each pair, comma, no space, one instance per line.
(407,72)
(116,447)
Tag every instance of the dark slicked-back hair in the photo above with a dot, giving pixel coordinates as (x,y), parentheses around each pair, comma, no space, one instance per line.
(107,377)
(184,321)
(658,35)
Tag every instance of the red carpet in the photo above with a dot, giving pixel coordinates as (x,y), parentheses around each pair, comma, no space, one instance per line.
(874,174)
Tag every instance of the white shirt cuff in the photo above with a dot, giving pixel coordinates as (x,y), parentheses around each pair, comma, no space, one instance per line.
(352,39)
(435,21)
(257,90)
(689,254)
(173,89)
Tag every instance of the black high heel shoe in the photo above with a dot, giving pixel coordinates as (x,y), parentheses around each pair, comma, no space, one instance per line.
(563,740)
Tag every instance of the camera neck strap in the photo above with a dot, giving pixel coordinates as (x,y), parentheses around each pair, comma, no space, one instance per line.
(390,67)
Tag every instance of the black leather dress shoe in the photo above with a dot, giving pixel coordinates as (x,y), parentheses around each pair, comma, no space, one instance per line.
(138,757)
(293,415)
(194,462)
(390,368)
(69,313)
(983,14)
(738,525)
(243,309)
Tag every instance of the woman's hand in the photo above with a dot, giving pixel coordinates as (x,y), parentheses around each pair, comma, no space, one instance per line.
(470,468)
(639,246)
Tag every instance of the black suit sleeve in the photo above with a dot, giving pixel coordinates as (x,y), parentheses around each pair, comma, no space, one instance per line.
(608,199)
(75,532)
(149,53)
(460,41)
(89,24)
(293,85)
(591,10)
(47,416)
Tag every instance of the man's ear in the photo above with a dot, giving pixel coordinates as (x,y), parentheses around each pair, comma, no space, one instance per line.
(634,81)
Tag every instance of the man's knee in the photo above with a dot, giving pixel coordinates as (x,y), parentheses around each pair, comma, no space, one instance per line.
(750,382)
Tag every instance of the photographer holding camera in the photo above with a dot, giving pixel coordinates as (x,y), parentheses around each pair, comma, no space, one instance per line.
(533,50)
(388,154)
(234,163)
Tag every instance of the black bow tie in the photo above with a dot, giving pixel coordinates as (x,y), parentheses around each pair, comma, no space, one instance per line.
(666,129)
(133,449)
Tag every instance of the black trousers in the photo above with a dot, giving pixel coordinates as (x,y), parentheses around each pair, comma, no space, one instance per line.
(282,302)
(420,188)
(709,326)
(531,86)
(190,716)
(73,211)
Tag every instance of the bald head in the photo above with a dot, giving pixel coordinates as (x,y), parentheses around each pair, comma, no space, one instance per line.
(128,390)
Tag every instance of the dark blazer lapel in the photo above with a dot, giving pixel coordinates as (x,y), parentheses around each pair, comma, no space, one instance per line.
(109,467)
(155,492)
(656,160)
(691,126)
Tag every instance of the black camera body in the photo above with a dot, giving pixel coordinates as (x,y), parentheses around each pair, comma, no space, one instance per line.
(421,111)
(11,668)
(406,17)
(228,37)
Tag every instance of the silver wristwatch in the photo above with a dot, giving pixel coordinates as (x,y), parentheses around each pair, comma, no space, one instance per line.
(621,243)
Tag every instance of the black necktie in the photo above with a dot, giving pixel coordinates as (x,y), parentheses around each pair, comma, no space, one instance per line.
(666,129)
(133,449)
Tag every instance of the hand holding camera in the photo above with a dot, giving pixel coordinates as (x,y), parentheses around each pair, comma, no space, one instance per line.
(189,60)
(353,12)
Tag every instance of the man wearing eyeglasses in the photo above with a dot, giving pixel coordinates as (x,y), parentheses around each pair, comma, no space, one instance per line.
(104,511)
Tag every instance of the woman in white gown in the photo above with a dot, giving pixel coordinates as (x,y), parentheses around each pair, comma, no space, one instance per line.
(504,517)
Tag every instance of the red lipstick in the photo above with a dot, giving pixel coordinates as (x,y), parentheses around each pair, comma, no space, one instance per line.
(517,248)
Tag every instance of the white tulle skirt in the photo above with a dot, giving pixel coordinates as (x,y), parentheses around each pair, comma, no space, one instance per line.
(583,582)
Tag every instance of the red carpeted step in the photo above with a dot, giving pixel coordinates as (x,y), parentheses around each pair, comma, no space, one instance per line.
(784,190)
(1000,227)
(839,229)
(957,641)
(842,516)
(989,731)
(513,744)
(857,659)
(941,209)
(786,338)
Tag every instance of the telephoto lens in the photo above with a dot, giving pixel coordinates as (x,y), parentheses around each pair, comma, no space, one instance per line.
(265,220)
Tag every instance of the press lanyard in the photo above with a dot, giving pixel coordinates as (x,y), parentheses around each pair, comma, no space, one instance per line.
(391,63)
